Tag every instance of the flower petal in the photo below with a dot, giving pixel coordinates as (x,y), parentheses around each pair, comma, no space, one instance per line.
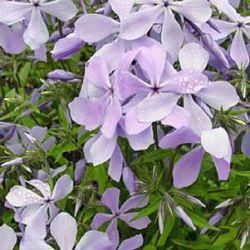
(63,187)
(100,219)
(238,51)
(20,196)
(110,199)
(36,33)
(88,26)
(210,139)
(219,95)
(156,107)
(7,237)
(64,229)
(61,9)
(132,243)
(192,55)
(116,165)
(187,169)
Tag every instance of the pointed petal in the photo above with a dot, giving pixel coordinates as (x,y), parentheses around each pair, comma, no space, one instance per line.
(129,180)
(63,187)
(171,28)
(152,61)
(178,137)
(156,107)
(64,229)
(113,232)
(97,73)
(187,169)
(110,199)
(139,23)
(219,95)
(111,118)
(222,168)
(238,51)
(192,55)
(116,165)
(61,9)
(200,121)
(7,237)
(88,26)
(36,33)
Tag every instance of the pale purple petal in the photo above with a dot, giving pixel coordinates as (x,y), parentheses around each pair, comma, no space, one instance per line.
(222,168)
(137,224)
(94,240)
(171,28)
(179,117)
(178,137)
(87,112)
(61,9)
(88,26)
(63,187)
(187,169)
(111,118)
(121,8)
(139,23)
(137,201)
(210,139)
(156,107)
(200,120)
(20,196)
(116,165)
(100,219)
(238,51)
(219,95)
(110,199)
(7,237)
(36,33)
(64,229)
(132,243)
(245,145)
(192,55)
(113,232)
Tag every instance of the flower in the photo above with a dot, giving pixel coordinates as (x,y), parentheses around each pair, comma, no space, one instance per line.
(239,25)
(8,237)
(36,34)
(110,199)
(20,196)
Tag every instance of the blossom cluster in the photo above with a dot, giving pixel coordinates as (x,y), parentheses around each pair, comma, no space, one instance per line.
(163,99)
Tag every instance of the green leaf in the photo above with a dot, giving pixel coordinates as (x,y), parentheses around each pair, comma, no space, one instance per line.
(241,173)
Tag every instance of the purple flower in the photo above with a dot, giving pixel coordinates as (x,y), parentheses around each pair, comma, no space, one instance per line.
(139,23)
(187,169)
(36,33)
(110,199)
(239,25)
(20,196)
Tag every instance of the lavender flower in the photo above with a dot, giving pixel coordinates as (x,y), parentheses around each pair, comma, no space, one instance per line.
(110,199)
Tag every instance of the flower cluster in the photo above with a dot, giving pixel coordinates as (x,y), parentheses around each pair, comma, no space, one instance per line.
(164,98)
